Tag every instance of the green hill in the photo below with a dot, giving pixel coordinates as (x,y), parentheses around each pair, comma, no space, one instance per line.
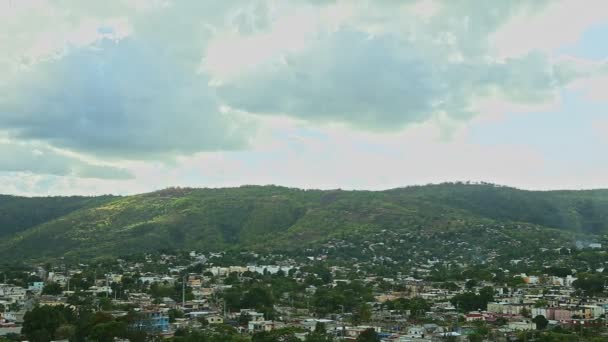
(577,211)
(20,213)
(272,217)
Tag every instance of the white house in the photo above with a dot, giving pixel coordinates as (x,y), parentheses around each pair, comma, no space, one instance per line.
(522,325)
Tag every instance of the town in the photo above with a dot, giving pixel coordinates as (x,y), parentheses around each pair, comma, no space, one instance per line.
(339,291)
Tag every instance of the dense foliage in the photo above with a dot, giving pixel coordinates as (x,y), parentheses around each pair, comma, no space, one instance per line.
(20,213)
(278,218)
(48,323)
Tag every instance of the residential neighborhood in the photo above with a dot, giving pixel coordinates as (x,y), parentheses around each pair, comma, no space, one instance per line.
(164,296)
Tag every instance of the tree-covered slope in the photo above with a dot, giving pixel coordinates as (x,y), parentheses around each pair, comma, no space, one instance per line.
(170,219)
(20,213)
(577,211)
(271,217)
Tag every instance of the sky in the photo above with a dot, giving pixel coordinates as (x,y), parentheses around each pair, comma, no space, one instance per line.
(131,96)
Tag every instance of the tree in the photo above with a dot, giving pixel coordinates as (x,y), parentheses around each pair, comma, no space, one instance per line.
(368,335)
(362,314)
(559,271)
(65,332)
(541,322)
(475,337)
(53,289)
(106,332)
(105,303)
(244,319)
(418,307)
(471,283)
(319,335)
(500,321)
(279,335)
(590,284)
(39,335)
(41,323)
(481,328)
(257,298)
(487,294)
(525,312)
(451,286)
(470,301)
(173,314)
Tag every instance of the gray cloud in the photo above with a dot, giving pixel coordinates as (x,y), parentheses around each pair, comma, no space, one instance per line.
(123,98)
(138,97)
(15,157)
(383,82)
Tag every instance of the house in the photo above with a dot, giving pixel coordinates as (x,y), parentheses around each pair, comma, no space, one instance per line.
(167,280)
(215,319)
(510,309)
(473,316)
(253,315)
(168,301)
(569,280)
(354,332)
(539,312)
(260,326)
(522,325)
(194,282)
(153,322)
(36,286)
(432,329)
(416,331)
(150,279)
(206,292)
(530,279)
(12,293)
(311,324)
(9,329)
(197,314)
(592,311)
(52,301)
(100,289)
(14,316)
(559,314)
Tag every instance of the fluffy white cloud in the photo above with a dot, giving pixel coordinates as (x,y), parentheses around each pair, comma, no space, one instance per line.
(560,23)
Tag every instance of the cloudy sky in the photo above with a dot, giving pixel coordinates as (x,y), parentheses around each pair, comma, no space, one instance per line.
(128,96)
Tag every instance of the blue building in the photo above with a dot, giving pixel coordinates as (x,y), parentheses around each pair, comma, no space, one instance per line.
(153,322)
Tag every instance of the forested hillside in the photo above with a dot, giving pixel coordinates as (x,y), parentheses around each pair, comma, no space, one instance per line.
(20,213)
(272,217)
(578,211)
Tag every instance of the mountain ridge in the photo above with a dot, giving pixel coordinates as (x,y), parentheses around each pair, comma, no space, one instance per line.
(274,217)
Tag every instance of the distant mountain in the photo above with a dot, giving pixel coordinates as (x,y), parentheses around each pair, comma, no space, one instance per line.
(272,217)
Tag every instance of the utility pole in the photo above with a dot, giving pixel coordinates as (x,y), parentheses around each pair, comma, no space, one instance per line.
(457,317)
(184,293)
